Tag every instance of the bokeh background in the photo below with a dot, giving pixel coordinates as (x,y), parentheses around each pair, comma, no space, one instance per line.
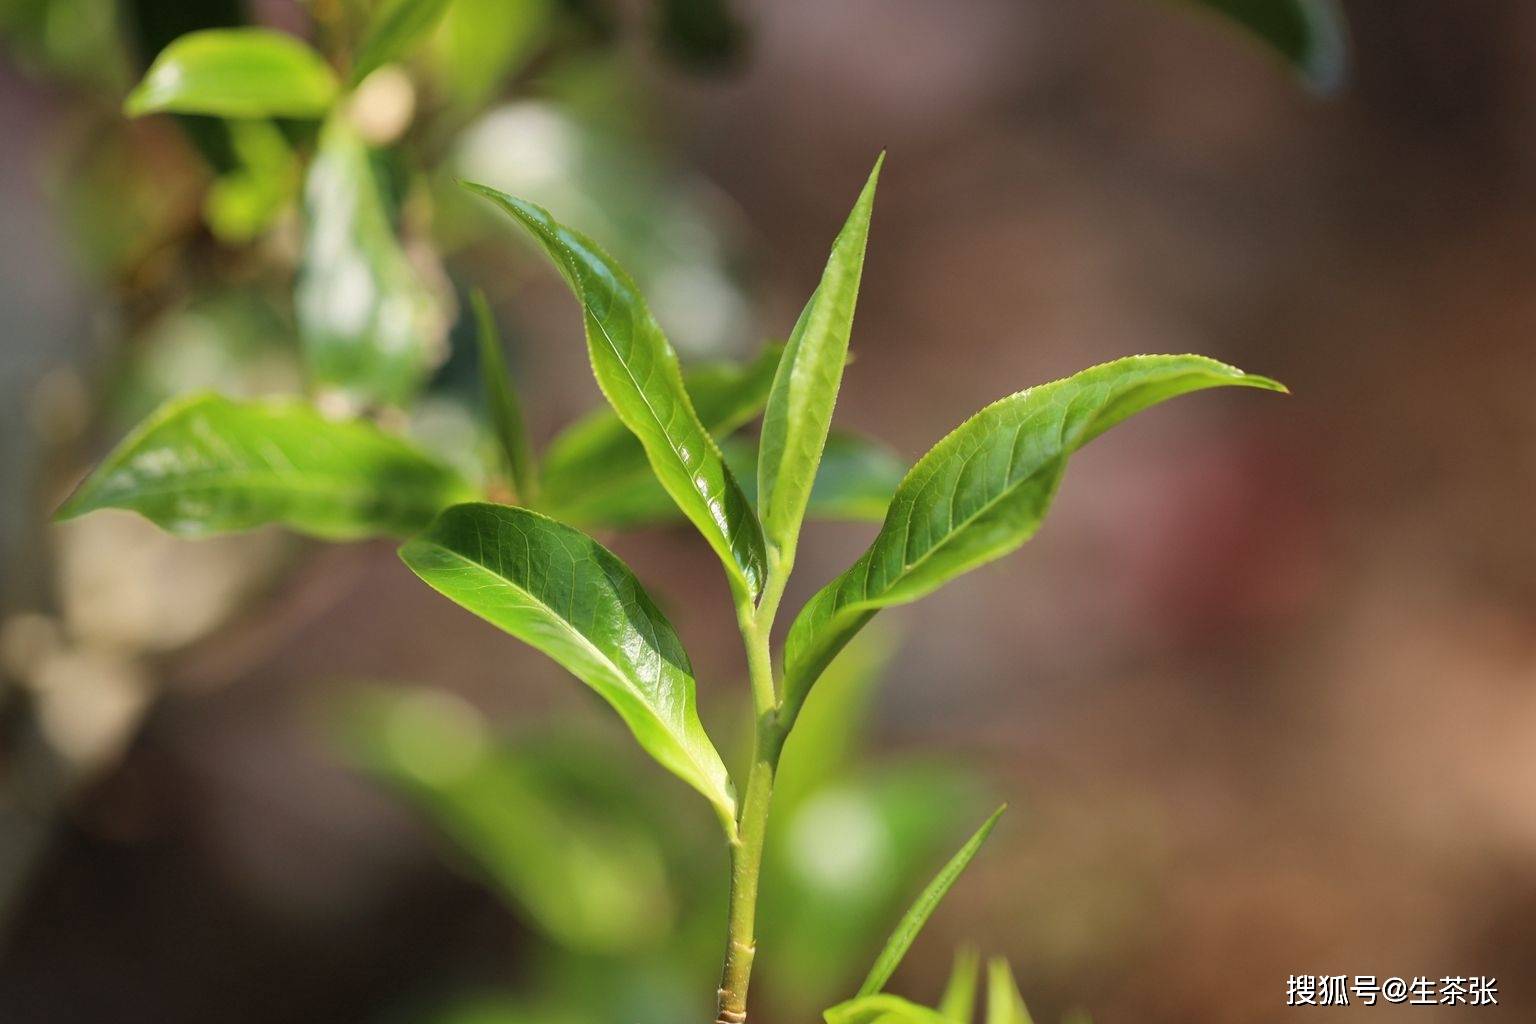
(1262,694)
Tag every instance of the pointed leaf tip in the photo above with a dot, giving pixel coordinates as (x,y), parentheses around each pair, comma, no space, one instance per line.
(638,372)
(923,907)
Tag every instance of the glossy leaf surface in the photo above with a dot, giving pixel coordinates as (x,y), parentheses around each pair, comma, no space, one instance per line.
(958,1004)
(923,907)
(371,325)
(560,591)
(799,411)
(982,491)
(395,27)
(1005,1005)
(882,1009)
(236,72)
(596,470)
(1309,34)
(208,464)
(638,372)
(503,405)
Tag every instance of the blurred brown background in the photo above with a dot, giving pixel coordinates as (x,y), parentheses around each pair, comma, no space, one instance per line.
(1262,693)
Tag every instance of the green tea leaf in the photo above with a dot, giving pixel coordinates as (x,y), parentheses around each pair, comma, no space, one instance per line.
(596,470)
(882,1009)
(208,464)
(854,483)
(502,402)
(799,411)
(855,480)
(982,491)
(560,591)
(1004,1003)
(958,1004)
(638,373)
(922,909)
(576,859)
(371,326)
(1309,34)
(236,72)
(395,27)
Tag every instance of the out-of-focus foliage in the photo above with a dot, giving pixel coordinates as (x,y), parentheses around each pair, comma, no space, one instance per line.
(236,73)
(854,838)
(1308,34)
(372,322)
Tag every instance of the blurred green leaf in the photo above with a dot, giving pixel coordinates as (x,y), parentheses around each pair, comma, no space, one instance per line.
(1005,1005)
(981,492)
(831,729)
(208,464)
(638,373)
(560,591)
(922,909)
(237,72)
(882,1009)
(394,28)
(595,467)
(799,411)
(841,863)
(563,851)
(1309,34)
(371,325)
(704,35)
(244,202)
(501,401)
(958,1003)
(481,42)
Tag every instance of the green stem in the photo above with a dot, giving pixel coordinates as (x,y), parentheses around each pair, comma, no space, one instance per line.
(752,824)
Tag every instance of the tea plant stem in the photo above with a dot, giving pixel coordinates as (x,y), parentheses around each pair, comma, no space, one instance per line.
(752,825)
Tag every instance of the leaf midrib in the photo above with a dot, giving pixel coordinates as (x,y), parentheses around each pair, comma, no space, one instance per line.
(586,644)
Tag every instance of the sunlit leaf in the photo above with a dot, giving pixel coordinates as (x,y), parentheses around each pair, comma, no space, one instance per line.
(981,492)
(596,470)
(1005,1005)
(1309,34)
(638,373)
(882,1009)
(208,464)
(394,28)
(560,849)
(560,591)
(917,915)
(799,411)
(372,326)
(236,72)
(958,1004)
(501,401)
